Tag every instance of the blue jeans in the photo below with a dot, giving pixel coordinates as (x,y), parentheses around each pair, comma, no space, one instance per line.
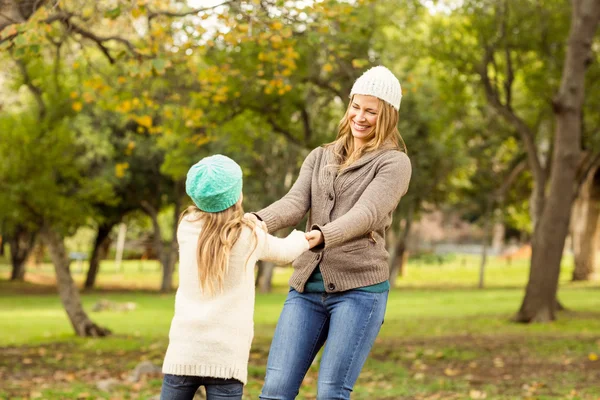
(184,387)
(348,321)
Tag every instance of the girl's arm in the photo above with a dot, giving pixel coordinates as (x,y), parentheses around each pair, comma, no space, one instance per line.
(379,199)
(292,207)
(282,251)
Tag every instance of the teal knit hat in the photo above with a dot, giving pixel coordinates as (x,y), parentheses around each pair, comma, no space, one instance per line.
(214,183)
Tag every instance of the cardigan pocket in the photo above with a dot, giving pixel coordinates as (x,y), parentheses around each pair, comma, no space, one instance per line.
(355,246)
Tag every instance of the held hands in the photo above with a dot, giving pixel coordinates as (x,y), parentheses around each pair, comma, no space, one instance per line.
(314,237)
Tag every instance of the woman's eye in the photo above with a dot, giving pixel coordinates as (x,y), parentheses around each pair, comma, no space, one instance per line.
(371,112)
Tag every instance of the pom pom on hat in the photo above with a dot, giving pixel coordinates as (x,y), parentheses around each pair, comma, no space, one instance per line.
(381,83)
(214,183)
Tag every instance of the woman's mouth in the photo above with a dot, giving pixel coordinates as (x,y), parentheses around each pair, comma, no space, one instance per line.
(359,127)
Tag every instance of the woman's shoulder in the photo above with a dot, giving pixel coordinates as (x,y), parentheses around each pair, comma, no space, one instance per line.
(395,156)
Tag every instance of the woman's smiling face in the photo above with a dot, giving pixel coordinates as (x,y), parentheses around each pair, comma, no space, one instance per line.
(363,117)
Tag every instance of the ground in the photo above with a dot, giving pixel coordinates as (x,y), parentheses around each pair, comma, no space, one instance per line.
(441,340)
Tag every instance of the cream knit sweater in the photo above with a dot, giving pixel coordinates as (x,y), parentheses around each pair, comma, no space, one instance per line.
(211,336)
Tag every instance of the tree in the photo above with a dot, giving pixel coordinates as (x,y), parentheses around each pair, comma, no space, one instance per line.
(584,226)
(539,303)
(519,75)
(53,172)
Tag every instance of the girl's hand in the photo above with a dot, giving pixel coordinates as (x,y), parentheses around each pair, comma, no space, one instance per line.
(314,237)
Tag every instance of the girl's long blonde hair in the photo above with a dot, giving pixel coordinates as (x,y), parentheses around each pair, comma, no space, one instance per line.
(386,130)
(220,231)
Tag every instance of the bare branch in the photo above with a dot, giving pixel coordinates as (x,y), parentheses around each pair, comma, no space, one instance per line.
(36,91)
(279,129)
(173,14)
(524,130)
(510,75)
(589,162)
(101,40)
(509,180)
(324,85)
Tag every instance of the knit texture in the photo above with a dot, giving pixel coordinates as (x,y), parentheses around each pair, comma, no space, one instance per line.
(381,83)
(211,336)
(352,209)
(214,183)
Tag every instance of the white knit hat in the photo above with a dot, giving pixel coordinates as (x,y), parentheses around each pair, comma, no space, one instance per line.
(381,83)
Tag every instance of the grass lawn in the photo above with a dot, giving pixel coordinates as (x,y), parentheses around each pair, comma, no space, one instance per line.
(442,338)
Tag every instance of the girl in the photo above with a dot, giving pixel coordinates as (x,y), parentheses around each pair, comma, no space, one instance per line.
(211,332)
(340,287)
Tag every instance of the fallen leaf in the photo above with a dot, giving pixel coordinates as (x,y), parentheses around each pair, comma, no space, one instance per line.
(593,357)
(477,394)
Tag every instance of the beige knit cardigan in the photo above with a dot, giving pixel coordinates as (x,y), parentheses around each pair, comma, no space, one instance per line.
(353,209)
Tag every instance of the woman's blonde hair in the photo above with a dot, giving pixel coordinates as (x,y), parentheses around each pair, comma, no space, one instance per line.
(220,231)
(386,130)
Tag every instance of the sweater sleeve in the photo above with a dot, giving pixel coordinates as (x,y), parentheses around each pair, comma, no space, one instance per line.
(379,199)
(292,207)
(282,251)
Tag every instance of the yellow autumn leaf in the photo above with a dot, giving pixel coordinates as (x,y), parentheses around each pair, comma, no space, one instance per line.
(327,67)
(121,80)
(73,95)
(120,169)
(276,25)
(145,121)
(451,371)
(136,12)
(130,147)
(276,39)
(77,106)
(477,394)
(593,357)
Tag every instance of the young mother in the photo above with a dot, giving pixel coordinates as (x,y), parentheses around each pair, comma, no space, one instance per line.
(339,288)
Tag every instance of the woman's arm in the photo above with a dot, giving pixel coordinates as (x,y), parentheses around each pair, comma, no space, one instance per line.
(379,199)
(292,207)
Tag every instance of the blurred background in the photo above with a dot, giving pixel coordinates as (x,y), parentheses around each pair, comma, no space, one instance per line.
(105,105)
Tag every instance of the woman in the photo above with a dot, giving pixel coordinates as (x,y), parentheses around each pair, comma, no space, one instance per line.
(339,287)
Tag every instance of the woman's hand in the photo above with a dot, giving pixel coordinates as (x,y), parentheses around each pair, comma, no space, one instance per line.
(314,237)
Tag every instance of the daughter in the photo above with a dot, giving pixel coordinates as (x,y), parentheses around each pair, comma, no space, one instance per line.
(211,332)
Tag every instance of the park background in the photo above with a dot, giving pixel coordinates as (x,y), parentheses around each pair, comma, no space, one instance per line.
(105,105)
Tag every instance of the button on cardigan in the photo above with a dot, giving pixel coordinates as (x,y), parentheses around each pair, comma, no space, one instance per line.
(353,208)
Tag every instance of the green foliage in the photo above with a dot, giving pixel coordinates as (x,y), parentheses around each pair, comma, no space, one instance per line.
(49,173)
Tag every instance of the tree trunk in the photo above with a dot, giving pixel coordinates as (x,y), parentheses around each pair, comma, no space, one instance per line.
(101,238)
(398,254)
(67,290)
(584,226)
(539,303)
(488,228)
(17,11)
(166,254)
(21,244)
(264,276)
